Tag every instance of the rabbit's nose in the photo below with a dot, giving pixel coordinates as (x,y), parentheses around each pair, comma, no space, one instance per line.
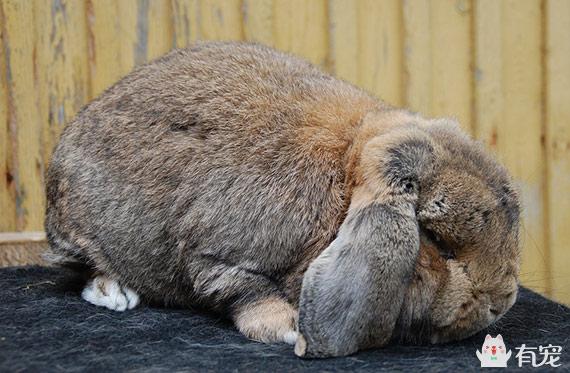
(501,303)
(499,307)
(495,311)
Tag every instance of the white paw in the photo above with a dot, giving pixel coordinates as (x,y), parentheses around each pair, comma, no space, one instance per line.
(290,337)
(102,291)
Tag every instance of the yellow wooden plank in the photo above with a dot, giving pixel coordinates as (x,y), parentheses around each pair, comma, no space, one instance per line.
(25,123)
(519,137)
(146,31)
(159,30)
(558,144)
(343,39)
(25,248)
(488,82)
(221,20)
(185,22)
(132,26)
(61,65)
(258,21)
(507,88)
(380,33)
(451,60)
(104,44)
(127,33)
(7,190)
(11,238)
(417,56)
(301,28)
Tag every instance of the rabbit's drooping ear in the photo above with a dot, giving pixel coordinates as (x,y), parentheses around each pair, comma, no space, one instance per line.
(353,292)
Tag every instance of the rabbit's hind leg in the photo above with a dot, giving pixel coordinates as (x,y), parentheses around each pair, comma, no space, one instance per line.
(267,320)
(256,305)
(106,292)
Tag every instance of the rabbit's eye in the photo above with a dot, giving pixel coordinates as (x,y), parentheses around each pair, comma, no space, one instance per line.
(446,253)
(409,185)
(445,250)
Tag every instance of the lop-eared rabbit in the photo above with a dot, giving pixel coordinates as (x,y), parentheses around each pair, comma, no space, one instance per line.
(241,180)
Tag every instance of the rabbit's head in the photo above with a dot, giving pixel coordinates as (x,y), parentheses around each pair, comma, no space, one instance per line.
(429,248)
(471,213)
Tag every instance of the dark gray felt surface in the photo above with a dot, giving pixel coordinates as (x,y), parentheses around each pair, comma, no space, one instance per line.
(45,326)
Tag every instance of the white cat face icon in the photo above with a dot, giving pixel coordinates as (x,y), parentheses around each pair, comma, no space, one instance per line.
(494,352)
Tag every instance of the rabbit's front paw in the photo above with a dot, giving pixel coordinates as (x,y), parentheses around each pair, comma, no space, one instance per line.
(267,320)
(105,292)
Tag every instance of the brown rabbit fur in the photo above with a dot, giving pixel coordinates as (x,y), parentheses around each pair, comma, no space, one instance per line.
(217,175)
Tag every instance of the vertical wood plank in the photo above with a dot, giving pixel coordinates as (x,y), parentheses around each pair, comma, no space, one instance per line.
(124,34)
(343,39)
(159,28)
(508,114)
(519,137)
(185,22)
(451,60)
(7,190)
(104,44)
(221,20)
(62,66)
(24,120)
(381,48)
(417,55)
(258,21)
(488,82)
(558,144)
(301,28)
(132,26)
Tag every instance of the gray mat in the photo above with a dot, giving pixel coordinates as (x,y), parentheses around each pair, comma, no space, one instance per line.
(45,326)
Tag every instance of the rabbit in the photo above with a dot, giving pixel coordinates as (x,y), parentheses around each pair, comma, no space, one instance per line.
(241,180)
(441,193)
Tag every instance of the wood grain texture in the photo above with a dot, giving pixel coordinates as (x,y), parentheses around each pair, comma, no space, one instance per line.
(417,55)
(508,112)
(17,249)
(488,83)
(520,136)
(158,28)
(106,55)
(221,20)
(301,27)
(25,125)
(185,22)
(558,144)
(61,65)
(451,60)
(124,34)
(380,52)
(7,190)
(500,67)
(344,39)
(438,58)
(258,21)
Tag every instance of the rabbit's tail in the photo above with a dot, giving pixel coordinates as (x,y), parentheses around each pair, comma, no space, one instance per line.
(62,252)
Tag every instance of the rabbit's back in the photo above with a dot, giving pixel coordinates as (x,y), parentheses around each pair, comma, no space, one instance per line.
(221,154)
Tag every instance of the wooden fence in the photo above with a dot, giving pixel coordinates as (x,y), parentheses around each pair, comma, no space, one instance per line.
(502,67)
